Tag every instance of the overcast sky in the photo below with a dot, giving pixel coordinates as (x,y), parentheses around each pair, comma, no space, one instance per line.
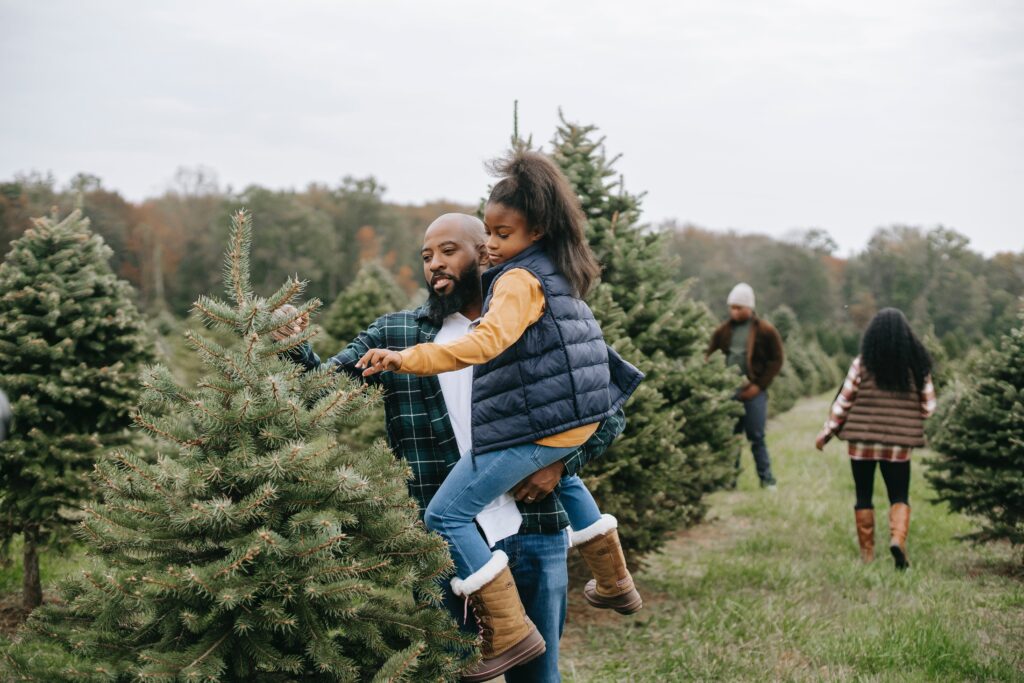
(754,115)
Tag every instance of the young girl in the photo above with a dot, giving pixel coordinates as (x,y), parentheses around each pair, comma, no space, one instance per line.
(543,381)
(880,412)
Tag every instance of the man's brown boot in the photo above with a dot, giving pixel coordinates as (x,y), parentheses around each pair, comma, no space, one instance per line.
(508,637)
(899,525)
(612,586)
(866,533)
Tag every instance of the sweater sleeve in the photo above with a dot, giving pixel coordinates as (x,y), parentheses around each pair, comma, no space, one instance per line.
(517,303)
(928,401)
(844,401)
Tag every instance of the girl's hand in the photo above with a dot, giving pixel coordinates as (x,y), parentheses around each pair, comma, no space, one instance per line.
(820,442)
(379,360)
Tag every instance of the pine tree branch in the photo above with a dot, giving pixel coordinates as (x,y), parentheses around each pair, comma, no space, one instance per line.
(339,397)
(326,544)
(250,555)
(201,307)
(209,651)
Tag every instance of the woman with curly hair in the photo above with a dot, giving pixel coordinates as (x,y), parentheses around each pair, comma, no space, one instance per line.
(880,413)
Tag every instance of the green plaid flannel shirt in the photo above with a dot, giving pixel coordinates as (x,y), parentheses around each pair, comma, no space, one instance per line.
(418,427)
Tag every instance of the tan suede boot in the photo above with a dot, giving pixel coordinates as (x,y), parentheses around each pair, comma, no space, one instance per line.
(899,525)
(866,533)
(508,637)
(612,586)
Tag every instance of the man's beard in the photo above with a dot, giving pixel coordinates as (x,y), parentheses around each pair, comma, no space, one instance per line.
(465,290)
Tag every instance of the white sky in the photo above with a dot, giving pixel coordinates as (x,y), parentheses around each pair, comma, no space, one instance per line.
(757,115)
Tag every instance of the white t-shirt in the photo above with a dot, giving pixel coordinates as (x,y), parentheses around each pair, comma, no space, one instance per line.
(500,518)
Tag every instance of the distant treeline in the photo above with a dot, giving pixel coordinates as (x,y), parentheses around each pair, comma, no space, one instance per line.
(169,248)
(954,296)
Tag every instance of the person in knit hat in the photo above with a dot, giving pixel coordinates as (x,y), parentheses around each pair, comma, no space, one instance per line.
(755,347)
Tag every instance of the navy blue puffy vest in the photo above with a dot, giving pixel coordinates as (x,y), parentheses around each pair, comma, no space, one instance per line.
(559,375)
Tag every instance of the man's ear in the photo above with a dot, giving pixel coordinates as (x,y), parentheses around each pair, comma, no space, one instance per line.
(482,253)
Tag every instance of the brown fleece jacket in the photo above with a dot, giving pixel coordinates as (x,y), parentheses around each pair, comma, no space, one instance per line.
(764,350)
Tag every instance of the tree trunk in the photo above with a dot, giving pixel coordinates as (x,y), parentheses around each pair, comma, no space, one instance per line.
(31,586)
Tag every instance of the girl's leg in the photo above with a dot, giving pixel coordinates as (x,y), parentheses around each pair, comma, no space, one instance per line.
(864,482)
(596,537)
(472,485)
(579,504)
(863,512)
(897,481)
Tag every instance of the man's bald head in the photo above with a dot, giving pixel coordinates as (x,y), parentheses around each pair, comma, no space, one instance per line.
(458,226)
(453,253)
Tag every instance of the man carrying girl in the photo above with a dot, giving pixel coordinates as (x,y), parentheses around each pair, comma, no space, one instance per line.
(544,379)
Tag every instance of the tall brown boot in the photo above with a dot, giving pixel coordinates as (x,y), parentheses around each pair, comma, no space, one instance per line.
(866,533)
(612,586)
(508,637)
(899,525)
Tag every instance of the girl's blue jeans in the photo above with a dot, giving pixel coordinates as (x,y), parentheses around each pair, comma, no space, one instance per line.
(466,490)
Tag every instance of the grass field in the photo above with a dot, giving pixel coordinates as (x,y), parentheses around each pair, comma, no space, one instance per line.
(771,588)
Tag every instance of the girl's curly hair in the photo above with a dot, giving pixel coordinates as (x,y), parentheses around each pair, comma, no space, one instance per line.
(893,354)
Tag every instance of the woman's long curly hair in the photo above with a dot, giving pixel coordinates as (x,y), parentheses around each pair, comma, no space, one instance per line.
(893,354)
(533,185)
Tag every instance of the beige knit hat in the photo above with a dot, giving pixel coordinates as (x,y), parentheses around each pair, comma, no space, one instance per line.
(741,295)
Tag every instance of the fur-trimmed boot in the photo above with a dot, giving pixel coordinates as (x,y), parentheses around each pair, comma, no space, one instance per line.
(508,637)
(612,586)
(899,525)
(866,533)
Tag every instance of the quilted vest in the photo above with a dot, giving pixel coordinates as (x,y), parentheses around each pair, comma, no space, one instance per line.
(559,375)
(885,417)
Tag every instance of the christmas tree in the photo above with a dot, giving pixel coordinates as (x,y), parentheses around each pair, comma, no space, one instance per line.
(370,295)
(979,432)
(679,442)
(808,370)
(254,547)
(71,346)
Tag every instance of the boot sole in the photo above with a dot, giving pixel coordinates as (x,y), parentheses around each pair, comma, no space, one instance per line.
(631,607)
(526,650)
(899,556)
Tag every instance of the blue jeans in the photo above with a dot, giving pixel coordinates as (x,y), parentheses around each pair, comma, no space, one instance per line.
(538,566)
(470,486)
(755,416)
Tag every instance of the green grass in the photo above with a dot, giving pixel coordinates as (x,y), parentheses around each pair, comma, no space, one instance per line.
(53,565)
(771,588)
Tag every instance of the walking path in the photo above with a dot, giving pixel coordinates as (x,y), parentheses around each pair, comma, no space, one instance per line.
(771,588)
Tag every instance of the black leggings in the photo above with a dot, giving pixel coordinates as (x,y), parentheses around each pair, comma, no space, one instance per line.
(895,474)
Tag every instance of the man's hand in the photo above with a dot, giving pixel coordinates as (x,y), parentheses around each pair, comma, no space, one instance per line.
(820,442)
(749,392)
(538,485)
(379,360)
(297,326)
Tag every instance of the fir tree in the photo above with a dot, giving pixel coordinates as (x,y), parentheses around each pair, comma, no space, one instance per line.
(979,432)
(370,295)
(255,547)
(808,370)
(71,345)
(679,442)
